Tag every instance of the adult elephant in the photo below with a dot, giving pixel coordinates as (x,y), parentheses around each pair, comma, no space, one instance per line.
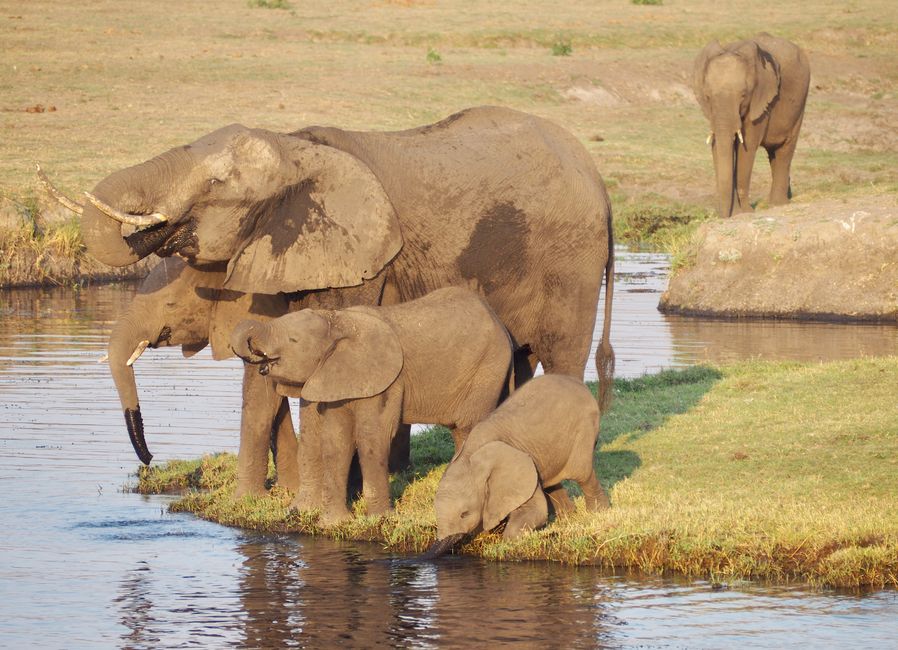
(501,201)
(753,92)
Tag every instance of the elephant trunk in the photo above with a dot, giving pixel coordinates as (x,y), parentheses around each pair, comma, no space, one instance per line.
(125,339)
(725,169)
(247,340)
(442,546)
(137,190)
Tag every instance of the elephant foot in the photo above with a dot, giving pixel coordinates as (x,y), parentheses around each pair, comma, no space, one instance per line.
(290,482)
(249,490)
(334,517)
(380,510)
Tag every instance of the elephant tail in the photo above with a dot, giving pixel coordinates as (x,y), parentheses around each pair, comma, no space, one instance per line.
(605,353)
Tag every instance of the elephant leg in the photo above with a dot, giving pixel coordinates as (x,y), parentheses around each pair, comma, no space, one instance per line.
(376,421)
(284,446)
(401,449)
(533,514)
(524,361)
(560,500)
(260,407)
(593,492)
(780,166)
(459,435)
(745,160)
(307,495)
(337,448)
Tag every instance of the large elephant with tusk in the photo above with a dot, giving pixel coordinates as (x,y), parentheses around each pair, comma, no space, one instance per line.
(180,305)
(753,93)
(506,203)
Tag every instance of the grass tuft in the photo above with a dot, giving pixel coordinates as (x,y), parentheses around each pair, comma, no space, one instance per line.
(759,470)
(562,48)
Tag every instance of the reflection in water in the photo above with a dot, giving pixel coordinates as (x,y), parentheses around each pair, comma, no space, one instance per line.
(85,565)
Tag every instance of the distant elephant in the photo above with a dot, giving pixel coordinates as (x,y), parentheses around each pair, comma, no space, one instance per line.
(753,92)
(441,359)
(505,203)
(180,305)
(545,433)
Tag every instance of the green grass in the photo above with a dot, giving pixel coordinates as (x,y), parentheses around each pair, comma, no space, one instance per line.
(771,471)
(269,4)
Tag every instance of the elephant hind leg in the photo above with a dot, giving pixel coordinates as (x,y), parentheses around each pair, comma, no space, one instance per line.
(531,515)
(593,492)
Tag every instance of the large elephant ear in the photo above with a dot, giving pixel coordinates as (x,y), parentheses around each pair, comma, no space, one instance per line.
(331,225)
(767,84)
(231,307)
(511,479)
(364,359)
(711,50)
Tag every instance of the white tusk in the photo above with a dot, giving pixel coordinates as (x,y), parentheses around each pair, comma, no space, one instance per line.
(137,352)
(710,138)
(103,359)
(739,134)
(139,220)
(56,194)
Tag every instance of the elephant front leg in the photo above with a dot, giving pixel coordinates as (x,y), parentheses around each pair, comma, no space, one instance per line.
(560,500)
(376,421)
(745,160)
(780,170)
(335,441)
(285,448)
(260,407)
(533,514)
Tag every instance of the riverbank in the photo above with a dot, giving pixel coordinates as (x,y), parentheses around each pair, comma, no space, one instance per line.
(767,471)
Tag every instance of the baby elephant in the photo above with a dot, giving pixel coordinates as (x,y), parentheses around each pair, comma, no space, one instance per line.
(544,433)
(441,359)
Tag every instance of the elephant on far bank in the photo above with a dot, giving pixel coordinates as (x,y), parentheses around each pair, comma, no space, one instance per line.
(545,433)
(753,93)
(181,305)
(441,359)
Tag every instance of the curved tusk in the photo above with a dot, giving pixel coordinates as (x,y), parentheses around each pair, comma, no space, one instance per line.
(56,194)
(710,138)
(103,359)
(739,134)
(137,352)
(139,220)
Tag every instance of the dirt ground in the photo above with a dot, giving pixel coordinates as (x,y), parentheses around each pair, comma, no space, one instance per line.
(89,87)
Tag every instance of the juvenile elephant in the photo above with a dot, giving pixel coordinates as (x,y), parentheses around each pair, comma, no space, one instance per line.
(441,359)
(753,92)
(180,305)
(544,433)
(508,204)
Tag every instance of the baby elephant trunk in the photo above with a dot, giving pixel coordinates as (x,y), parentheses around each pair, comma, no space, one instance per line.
(442,546)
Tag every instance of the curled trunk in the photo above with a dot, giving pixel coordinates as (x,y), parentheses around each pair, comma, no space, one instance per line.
(139,190)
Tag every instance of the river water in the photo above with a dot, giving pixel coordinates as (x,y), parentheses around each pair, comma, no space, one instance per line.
(85,564)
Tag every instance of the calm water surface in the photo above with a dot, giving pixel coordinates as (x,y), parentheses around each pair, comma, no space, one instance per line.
(86,565)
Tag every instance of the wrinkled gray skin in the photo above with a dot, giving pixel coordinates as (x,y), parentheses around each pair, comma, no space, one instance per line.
(759,87)
(180,305)
(503,202)
(441,359)
(544,433)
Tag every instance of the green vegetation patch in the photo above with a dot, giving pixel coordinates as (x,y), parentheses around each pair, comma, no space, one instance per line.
(772,471)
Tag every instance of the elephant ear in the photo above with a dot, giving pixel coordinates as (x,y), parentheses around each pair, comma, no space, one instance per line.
(511,479)
(767,84)
(288,390)
(330,225)
(711,50)
(231,307)
(364,359)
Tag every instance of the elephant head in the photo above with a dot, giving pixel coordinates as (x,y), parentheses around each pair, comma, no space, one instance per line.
(479,490)
(322,356)
(176,305)
(735,86)
(283,213)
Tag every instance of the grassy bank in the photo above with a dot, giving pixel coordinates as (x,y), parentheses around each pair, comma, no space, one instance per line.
(771,471)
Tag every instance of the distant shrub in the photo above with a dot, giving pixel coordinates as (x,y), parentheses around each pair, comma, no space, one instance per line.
(562,48)
(269,4)
(433,56)
(647,2)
